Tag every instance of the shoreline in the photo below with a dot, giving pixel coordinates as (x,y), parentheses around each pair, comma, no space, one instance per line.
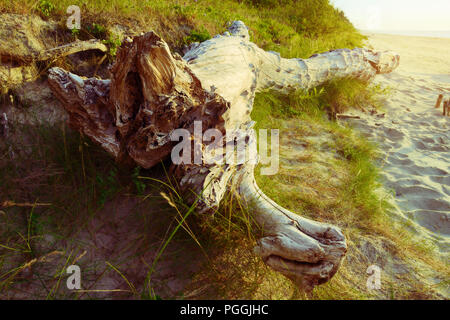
(413,34)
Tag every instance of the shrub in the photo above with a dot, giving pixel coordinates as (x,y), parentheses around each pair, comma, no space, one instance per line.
(46,8)
(197,36)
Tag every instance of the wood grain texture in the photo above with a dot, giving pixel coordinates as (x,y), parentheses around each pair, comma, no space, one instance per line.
(153,92)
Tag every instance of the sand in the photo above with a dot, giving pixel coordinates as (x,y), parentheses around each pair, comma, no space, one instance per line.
(418,55)
(414,136)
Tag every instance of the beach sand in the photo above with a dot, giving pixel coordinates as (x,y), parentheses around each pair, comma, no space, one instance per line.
(413,136)
(418,55)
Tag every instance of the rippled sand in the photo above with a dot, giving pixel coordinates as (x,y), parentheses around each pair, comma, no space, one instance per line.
(413,135)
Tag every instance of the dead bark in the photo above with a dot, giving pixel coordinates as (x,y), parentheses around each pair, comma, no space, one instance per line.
(71,48)
(438,101)
(347,116)
(153,92)
(4,128)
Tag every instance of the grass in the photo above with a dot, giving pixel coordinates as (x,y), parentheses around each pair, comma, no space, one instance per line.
(75,187)
(295,29)
(328,172)
(127,228)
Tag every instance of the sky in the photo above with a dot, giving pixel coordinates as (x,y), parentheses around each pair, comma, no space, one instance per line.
(397,15)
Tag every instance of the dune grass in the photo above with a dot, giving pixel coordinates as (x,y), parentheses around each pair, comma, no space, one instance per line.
(57,182)
(293,28)
(328,172)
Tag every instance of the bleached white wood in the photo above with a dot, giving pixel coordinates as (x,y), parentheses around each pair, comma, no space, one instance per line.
(153,92)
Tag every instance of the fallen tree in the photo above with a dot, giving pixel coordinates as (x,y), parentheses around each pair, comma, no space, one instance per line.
(153,92)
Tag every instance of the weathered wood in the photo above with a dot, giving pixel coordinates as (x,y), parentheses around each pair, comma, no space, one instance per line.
(237,69)
(4,128)
(153,92)
(438,101)
(307,252)
(347,116)
(71,48)
(446,108)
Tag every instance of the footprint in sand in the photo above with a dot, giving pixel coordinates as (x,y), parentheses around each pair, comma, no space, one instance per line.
(435,221)
(419,202)
(416,191)
(445,180)
(394,160)
(417,148)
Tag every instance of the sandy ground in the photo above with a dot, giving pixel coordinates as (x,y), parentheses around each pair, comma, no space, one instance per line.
(418,55)
(413,135)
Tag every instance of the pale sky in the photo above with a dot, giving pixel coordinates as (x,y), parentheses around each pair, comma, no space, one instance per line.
(397,15)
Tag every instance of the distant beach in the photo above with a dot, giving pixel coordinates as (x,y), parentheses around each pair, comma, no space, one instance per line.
(428,34)
(418,55)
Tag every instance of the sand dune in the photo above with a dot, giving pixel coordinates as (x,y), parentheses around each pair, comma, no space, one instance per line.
(414,136)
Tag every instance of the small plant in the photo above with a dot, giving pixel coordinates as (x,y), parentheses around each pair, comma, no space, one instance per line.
(46,7)
(113,43)
(97,30)
(140,185)
(108,185)
(197,36)
(75,32)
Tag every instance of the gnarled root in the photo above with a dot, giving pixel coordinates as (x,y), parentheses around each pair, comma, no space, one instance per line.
(307,252)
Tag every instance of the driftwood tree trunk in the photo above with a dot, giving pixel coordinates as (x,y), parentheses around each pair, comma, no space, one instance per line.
(153,92)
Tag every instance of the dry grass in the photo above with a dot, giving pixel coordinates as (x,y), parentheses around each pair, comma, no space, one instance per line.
(328,173)
(312,27)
